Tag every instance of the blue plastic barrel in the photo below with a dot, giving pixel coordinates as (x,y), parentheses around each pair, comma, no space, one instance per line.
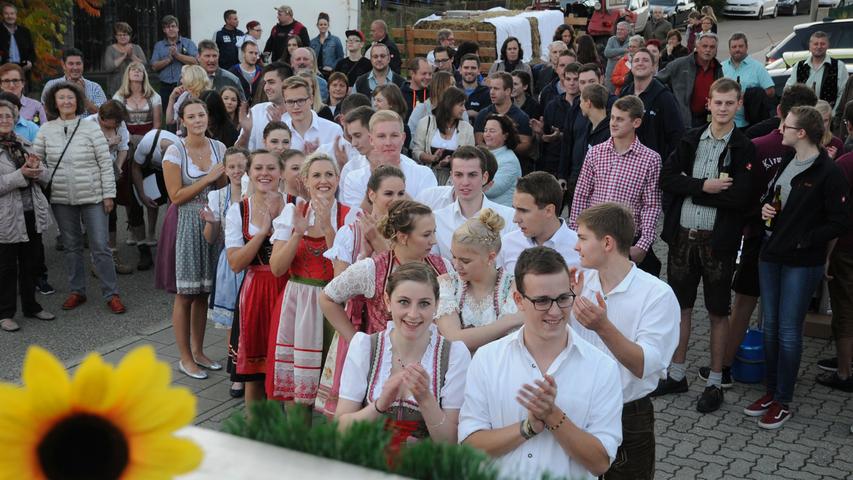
(748,366)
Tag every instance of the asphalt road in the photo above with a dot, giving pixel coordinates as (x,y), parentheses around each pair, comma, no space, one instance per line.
(93,327)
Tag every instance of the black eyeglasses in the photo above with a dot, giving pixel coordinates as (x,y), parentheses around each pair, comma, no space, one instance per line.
(543,304)
(789,127)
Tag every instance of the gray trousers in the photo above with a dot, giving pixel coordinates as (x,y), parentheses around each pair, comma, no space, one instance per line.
(68,218)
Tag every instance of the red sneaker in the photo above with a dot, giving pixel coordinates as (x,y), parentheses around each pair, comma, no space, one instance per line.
(73,301)
(115,305)
(760,406)
(775,417)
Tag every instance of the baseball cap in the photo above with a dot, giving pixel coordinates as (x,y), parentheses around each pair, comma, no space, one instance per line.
(356,33)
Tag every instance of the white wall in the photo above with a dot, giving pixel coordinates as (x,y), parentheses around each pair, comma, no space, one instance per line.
(206,15)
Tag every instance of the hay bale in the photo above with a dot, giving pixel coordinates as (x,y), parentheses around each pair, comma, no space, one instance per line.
(475,22)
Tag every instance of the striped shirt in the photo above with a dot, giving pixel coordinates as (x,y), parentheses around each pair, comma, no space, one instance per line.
(706,165)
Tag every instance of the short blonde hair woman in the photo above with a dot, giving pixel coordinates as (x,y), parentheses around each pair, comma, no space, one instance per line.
(194,80)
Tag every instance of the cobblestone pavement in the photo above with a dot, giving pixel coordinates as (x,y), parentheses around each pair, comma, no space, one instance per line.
(815,444)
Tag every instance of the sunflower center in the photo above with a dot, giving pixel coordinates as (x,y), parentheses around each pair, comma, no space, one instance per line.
(82,447)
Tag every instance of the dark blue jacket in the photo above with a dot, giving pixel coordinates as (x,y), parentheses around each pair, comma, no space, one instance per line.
(661,129)
(226,41)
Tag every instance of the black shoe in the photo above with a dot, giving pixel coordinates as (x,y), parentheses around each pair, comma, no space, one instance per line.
(145,260)
(236,392)
(829,364)
(667,386)
(43,287)
(710,400)
(727,382)
(832,380)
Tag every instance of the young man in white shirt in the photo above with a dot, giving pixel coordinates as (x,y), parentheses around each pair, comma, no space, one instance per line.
(252,134)
(308,130)
(633,317)
(356,125)
(469,176)
(542,398)
(386,140)
(538,200)
(441,196)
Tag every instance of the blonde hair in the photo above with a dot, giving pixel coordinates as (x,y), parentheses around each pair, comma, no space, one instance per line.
(314,89)
(708,11)
(482,231)
(824,107)
(124,89)
(314,158)
(384,116)
(195,80)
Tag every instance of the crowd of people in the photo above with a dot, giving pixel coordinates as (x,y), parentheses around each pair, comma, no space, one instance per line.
(466,253)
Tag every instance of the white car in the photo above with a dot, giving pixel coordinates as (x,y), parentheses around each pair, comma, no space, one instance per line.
(828,3)
(750,8)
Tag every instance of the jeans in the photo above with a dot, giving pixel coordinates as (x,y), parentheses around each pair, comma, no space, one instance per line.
(785,295)
(93,215)
(20,265)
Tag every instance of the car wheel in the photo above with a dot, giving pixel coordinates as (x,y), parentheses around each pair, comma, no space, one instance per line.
(760,14)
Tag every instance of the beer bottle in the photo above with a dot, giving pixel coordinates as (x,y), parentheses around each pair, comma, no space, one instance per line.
(726,169)
(777,205)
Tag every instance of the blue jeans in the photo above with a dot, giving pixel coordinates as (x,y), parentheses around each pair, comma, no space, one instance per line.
(68,218)
(785,295)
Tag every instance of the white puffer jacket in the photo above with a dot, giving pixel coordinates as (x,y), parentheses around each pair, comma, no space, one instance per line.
(85,175)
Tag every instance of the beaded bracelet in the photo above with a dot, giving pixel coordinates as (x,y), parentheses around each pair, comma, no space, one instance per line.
(550,428)
(443,418)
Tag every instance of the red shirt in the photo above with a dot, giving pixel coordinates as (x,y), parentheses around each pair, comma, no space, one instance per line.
(701,86)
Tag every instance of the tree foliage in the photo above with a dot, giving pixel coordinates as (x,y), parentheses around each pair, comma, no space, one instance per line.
(46,20)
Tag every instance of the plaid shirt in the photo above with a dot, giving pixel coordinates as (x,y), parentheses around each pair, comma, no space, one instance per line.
(631,179)
(708,153)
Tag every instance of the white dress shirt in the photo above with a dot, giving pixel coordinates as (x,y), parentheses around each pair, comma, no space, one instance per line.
(418,179)
(260,119)
(357,163)
(588,391)
(437,197)
(644,309)
(449,218)
(321,131)
(563,241)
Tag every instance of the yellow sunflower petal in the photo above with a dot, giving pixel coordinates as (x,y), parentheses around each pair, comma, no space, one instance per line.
(91,385)
(17,457)
(139,372)
(162,410)
(46,383)
(161,456)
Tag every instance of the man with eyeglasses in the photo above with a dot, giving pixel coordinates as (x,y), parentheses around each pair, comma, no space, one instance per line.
(444,38)
(380,73)
(354,64)
(16,41)
(543,377)
(538,201)
(308,130)
(444,63)
(171,54)
(379,34)
(631,316)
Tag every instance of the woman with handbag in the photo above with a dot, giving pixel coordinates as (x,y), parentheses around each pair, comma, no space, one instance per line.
(24,216)
(441,132)
(81,185)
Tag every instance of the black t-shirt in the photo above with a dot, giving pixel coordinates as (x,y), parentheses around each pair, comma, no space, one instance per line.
(522,121)
(353,70)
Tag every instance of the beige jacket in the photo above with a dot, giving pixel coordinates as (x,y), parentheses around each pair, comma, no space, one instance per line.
(427,127)
(85,176)
(13,229)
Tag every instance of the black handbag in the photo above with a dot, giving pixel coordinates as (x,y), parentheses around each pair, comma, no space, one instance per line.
(48,189)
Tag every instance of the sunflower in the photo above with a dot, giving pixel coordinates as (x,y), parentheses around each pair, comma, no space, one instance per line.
(105,423)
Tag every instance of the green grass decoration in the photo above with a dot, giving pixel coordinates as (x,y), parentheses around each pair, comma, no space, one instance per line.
(363,444)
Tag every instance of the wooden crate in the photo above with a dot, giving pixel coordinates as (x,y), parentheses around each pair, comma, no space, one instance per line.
(417,42)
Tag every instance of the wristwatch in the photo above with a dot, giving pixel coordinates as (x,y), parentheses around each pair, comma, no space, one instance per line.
(527,429)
